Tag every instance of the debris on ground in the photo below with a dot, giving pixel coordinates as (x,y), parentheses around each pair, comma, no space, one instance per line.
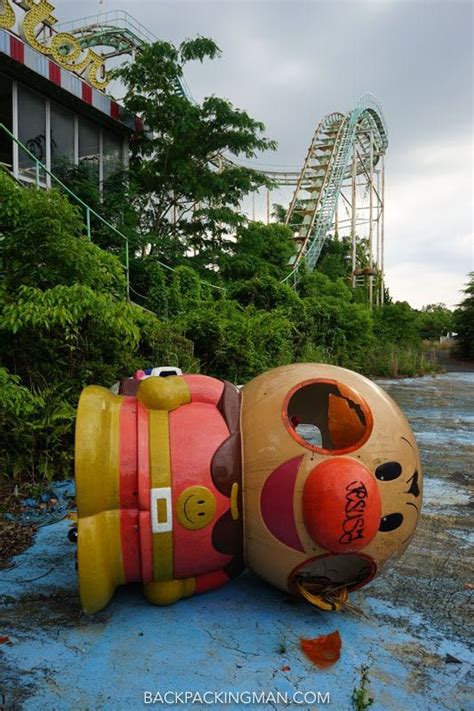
(452,660)
(21,515)
(323,651)
(51,505)
(14,538)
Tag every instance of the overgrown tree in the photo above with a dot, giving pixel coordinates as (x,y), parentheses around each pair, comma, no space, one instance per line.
(64,323)
(464,320)
(434,321)
(186,193)
(258,250)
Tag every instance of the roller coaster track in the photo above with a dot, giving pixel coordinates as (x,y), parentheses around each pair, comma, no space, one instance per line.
(360,137)
(120,32)
(328,161)
(343,145)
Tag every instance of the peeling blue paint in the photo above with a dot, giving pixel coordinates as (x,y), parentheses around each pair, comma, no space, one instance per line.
(238,638)
(241,637)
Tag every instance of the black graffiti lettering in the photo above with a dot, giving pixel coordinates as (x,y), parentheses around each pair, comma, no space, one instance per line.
(356,501)
(359,491)
(351,537)
(351,525)
(355,506)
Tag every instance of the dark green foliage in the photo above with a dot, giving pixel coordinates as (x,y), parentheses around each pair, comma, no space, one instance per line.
(318,284)
(434,321)
(114,204)
(44,244)
(259,250)
(342,329)
(464,321)
(335,258)
(64,323)
(185,291)
(223,308)
(35,429)
(186,195)
(265,293)
(396,323)
(236,343)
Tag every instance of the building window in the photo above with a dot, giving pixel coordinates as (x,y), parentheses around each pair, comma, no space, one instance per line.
(6,117)
(55,136)
(62,136)
(112,154)
(89,146)
(31,129)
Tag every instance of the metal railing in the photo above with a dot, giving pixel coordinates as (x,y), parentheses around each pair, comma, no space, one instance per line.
(116,18)
(107,27)
(88,211)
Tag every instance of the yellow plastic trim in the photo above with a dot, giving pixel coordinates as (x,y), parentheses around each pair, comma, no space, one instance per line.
(163,393)
(321,603)
(97,451)
(99,557)
(160,476)
(165,593)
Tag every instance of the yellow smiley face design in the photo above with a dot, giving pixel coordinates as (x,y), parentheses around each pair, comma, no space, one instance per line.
(196,507)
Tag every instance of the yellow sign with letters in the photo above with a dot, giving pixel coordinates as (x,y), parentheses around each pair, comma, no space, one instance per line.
(63,47)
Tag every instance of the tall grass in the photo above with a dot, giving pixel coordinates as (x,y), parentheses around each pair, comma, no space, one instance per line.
(400,361)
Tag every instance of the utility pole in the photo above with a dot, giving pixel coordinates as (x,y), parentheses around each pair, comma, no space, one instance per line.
(382,237)
(377,261)
(371,221)
(354,209)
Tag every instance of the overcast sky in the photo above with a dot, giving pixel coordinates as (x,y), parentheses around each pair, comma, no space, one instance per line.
(290,63)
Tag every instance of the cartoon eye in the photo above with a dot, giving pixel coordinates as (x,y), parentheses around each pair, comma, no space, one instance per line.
(388,471)
(391,522)
(414,489)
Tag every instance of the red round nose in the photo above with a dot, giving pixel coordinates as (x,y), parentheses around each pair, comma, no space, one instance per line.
(341,505)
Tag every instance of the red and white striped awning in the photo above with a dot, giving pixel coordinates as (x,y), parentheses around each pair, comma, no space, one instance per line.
(18,51)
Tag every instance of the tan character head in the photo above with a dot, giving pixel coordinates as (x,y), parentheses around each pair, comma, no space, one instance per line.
(332,478)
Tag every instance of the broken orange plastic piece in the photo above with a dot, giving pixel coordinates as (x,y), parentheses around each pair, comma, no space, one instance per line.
(323,651)
(344,425)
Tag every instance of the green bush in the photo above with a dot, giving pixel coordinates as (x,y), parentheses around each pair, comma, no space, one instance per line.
(64,323)
(464,321)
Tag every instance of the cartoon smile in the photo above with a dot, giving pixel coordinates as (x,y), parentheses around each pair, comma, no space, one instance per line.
(196,507)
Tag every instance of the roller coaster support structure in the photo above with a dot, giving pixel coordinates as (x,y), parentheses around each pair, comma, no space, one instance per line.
(340,191)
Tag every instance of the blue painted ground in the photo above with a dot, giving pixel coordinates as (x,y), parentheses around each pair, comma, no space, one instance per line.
(237,639)
(245,637)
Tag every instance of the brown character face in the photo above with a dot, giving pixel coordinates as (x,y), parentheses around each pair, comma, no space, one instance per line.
(332,477)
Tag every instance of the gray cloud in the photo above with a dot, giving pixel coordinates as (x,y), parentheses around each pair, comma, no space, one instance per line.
(290,63)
